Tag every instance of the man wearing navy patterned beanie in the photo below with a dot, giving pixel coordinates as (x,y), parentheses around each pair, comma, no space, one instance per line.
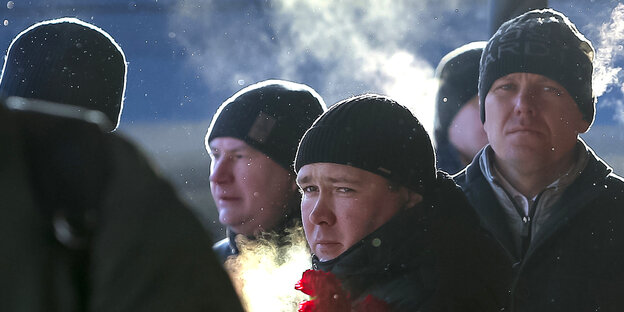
(553,205)
(252,143)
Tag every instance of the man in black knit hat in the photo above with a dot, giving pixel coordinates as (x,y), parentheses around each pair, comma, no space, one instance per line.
(252,142)
(553,205)
(378,215)
(458,130)
(67,61)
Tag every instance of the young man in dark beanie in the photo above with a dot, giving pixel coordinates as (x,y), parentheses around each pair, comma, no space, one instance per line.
(458,130)
(67,61)
(380,217)
(553,205)
(252,142)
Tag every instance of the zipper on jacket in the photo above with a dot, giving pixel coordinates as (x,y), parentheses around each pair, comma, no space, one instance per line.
(527,225)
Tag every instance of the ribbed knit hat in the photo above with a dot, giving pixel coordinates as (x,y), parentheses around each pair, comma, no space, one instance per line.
(458,76)
(373,133)
(542,42)
(271,116)
(67,61)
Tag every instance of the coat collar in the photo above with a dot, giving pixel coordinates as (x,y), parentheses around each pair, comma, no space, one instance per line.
(589,185)
(484,202)
(480,195)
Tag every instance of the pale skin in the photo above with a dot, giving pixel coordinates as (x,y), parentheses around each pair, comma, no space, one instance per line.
(343,204)
(251,191)
(466,131)
(532,124)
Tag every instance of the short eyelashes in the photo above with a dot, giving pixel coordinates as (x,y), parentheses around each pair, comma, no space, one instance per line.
(307,189)
(344,190)
(217,156)
(507,86)
(513,87)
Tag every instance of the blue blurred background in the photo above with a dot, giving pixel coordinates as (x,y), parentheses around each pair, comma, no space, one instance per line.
(186,57)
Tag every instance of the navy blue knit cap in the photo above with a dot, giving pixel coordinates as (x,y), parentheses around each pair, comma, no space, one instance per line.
(67,61)
(271,116)
(458,76)
(373,133)
(542,42)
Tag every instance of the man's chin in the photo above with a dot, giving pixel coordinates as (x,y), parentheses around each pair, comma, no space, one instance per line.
(329,251)
(230,221)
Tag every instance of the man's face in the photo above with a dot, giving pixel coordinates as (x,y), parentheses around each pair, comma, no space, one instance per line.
(342,204)
(466,131)
(251,191)
(532,120)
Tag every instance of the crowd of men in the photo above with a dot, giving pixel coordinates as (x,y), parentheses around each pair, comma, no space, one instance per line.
(531,221)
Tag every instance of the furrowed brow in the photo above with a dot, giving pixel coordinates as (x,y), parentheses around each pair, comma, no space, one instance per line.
(342,179)
(304,179)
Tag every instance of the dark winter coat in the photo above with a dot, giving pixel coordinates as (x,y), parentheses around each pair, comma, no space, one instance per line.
(447,157)
(133,245)
(432,257)
(576,262)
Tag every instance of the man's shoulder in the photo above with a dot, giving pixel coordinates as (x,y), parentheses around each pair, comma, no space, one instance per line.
(467,176)
(615,180)
(614,188)
(599,177)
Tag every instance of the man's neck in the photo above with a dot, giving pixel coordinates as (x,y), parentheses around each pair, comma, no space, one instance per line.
(530,178)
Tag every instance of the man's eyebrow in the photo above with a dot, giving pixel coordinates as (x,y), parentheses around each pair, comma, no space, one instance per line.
(506,78)
(543,79)
(231,150)
(342,179)
(336,179)
(304,179)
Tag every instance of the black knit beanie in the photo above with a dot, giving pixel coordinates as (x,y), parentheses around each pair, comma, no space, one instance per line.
(542,42)
(458,76)
(271,116)
(373,133)
(67,61)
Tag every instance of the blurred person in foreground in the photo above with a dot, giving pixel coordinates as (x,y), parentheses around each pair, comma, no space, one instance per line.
(379,217)
(553,205)
(67,61)
(458,130)
(88,225)
(252,143)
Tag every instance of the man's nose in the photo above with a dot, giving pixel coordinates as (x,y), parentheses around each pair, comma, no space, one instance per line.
(525,101)
(322,214)
(221,171)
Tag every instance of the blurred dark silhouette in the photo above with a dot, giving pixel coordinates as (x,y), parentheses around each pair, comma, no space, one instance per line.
(67,61)
(88,225)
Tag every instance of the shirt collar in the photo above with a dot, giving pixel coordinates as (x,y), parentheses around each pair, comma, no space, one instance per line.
(492,175)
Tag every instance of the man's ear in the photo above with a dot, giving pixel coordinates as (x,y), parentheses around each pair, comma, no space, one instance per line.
(294,187)
(583,127)
(412,199)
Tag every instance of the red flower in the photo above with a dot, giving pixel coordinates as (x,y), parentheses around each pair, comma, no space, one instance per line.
(327,295)
(306,306)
